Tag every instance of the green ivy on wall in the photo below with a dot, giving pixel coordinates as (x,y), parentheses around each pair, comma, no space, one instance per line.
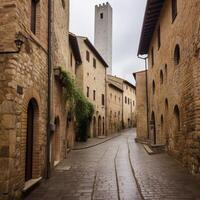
(81,107)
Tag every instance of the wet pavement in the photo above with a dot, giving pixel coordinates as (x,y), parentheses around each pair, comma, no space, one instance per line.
(105,172)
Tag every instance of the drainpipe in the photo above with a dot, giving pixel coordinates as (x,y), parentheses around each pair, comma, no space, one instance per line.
(147,96)
(49,105)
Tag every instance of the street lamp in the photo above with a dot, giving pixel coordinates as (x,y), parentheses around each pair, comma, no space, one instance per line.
(19,41)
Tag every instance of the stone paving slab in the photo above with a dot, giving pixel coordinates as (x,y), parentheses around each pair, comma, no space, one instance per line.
(161,176)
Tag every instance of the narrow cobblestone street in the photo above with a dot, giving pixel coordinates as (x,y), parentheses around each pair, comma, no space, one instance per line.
(104,172)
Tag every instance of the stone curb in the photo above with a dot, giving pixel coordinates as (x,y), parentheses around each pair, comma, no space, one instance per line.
(93,145)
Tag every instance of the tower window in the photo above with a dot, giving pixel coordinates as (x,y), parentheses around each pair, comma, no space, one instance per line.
(71,59)
(94,95)
(101,15)
(34,15)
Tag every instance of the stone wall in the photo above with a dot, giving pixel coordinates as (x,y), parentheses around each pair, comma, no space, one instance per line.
(175,102)
(23,79)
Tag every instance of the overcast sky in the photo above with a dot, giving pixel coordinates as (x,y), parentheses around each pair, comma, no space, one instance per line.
(127,23)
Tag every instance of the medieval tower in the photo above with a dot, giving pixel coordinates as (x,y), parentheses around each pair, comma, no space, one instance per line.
(103,32)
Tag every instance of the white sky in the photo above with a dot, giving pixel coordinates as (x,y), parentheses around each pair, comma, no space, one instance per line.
(127,23)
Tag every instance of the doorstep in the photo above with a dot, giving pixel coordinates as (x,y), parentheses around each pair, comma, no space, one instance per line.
(29,184)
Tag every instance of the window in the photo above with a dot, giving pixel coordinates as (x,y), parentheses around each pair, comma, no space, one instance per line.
(88,91)
(159,42)
(94,62)
(102,99)
(101,15)
(153,87)
(161,77)
(88,56)
(125,99)
(166,104)
(133,103)
(71,59)
(94,95)
(177,55)
(174,10)
(111,95)
(177,118)
(115,97)
(34,15)
(166,71)
(128,101)
(152,57)
(119,99)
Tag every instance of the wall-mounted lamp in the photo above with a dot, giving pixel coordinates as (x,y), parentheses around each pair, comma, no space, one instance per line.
(19,41)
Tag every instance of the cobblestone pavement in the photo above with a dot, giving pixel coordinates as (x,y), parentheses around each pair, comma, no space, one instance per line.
(104,172)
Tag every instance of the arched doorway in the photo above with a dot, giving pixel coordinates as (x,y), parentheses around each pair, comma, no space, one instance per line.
(177,118)
(94,127)
(56,141)
(153,127)
(99,126)
(32,124)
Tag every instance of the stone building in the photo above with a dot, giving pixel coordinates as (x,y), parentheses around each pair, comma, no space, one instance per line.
(128,100)
(103,32)
(23,94)
(91,78)
(114,106)
(27,149)
(141,105)
(171,39)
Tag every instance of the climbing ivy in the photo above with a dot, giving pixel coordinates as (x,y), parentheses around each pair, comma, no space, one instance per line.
(81,107)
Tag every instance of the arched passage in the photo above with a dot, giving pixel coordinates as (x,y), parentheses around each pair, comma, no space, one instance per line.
(153,127)
(94,127)
(31,139)
(99,126)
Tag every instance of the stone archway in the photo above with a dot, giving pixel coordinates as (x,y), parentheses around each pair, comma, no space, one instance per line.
(99,126)
(31,140)
(94,127)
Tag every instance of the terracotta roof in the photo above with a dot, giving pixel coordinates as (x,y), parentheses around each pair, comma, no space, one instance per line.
(152,14)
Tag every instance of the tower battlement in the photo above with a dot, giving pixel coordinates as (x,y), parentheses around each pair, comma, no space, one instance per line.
(103,5)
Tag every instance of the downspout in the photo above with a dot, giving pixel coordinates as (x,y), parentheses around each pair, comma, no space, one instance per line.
(147,96)
(47,174)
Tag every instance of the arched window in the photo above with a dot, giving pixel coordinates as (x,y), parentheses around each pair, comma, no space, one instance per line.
(177,55)
(177,117)
(161,77)
(34,6)
(153,87)
(63,3)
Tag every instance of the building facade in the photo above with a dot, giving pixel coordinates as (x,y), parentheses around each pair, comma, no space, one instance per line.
(91,78)
(114,106)
(173,49)
(128,101)
(23,96)
(103,32)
